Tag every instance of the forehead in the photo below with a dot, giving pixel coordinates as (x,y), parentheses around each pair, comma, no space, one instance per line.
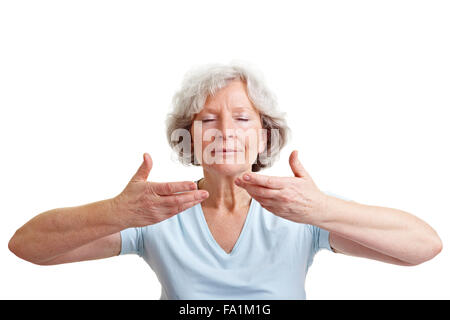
(233,96)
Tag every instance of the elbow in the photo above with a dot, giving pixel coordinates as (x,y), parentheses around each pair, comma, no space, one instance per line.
(15,247)
(431,250)
(436,246)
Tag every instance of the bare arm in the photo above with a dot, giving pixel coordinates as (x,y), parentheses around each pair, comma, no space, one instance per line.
(351,248)
(105,247)
(380,233)
(92,231)
(58,231)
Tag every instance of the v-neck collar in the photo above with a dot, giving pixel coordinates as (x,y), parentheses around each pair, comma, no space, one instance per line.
(211,238)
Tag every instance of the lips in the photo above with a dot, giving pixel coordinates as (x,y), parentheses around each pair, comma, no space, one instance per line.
(225,151)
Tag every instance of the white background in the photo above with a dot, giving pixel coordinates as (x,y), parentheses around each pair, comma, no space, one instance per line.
(85,87)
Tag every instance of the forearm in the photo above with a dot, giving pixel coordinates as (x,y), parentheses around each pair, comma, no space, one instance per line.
(390,231)
(57,231)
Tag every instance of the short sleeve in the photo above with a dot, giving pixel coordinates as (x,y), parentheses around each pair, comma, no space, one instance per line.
(132,241)
(321,238)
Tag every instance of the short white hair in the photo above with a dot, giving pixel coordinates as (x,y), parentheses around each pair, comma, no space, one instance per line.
(205,80)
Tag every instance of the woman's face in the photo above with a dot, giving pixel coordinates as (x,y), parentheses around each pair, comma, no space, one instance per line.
(227,132)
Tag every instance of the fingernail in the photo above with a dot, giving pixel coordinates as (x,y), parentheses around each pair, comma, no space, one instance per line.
(204,194)
(246,177)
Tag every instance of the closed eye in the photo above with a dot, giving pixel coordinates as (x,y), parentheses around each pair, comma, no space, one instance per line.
(209,120)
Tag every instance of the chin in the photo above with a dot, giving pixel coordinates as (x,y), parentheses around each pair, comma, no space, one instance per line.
(229,164)
(226,169)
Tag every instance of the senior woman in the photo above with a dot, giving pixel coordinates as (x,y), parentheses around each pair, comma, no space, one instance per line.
(235,234)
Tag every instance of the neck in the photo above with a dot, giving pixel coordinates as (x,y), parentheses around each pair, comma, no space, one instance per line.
(223,192)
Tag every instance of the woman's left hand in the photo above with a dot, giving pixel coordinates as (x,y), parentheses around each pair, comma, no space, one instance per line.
(294,198)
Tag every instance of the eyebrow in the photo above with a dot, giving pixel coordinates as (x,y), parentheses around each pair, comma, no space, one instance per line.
(237,109)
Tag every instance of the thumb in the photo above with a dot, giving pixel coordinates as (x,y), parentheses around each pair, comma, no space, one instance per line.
(144,170)
(297,168)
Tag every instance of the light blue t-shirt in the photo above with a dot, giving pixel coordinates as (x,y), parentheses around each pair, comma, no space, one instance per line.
(269,260)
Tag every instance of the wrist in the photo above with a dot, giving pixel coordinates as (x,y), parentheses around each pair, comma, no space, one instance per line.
(119,213)
(320,210)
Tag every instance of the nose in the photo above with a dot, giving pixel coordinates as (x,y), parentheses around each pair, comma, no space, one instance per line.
(227,127)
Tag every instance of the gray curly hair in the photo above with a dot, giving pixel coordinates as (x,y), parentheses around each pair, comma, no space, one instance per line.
(205,80)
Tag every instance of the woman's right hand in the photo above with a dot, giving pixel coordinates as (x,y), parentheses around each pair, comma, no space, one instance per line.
(143,203)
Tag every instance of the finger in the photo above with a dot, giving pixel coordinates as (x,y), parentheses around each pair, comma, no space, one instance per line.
(297,168)
(144,170)
(262,180)
(258,191)
(181,198)
(169,188)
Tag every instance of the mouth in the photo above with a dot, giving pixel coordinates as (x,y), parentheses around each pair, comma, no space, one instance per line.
(224,151)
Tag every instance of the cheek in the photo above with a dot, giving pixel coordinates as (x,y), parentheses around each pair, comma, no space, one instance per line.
(197,144)
(251,140)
